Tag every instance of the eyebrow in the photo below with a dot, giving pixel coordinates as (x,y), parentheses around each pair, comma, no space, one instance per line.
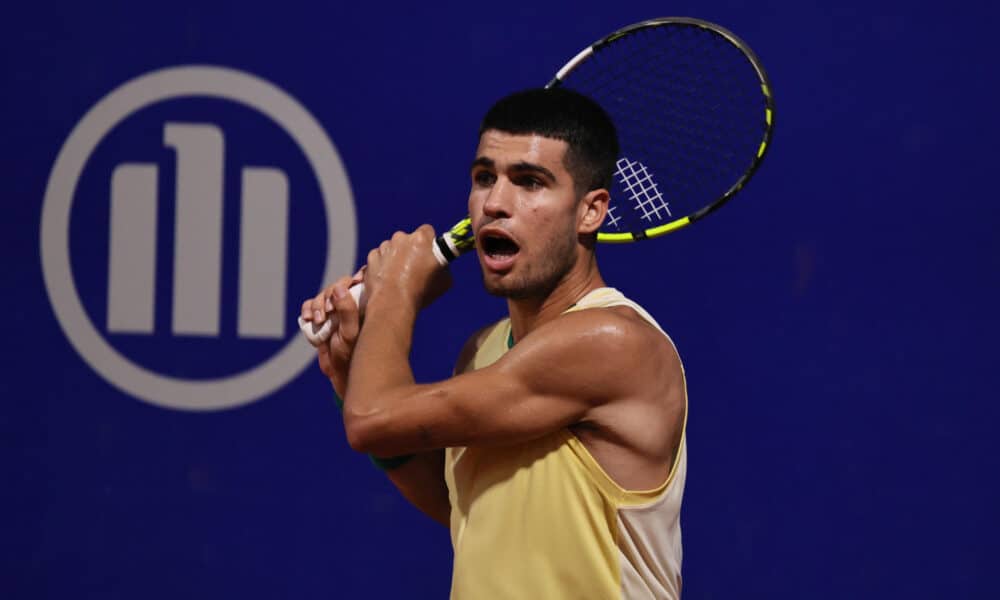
(522,166)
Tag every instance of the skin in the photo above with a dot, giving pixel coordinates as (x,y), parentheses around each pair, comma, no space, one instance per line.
(605,374)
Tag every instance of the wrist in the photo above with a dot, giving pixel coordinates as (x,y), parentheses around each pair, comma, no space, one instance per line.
(393,307)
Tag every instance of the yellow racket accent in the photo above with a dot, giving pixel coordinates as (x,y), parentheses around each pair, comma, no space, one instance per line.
(461,234)
(615,238)
(624,238)
(668,227)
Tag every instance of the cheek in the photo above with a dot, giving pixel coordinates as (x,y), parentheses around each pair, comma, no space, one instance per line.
(475,204)
(552,232)
(541,220)
(556,218)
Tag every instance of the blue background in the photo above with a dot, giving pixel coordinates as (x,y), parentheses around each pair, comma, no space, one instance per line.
(838,320)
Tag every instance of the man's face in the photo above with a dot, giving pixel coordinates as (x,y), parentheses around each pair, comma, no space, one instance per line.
(524,211)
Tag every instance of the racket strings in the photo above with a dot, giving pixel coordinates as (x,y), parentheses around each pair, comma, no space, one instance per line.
(689,111)
(639,186)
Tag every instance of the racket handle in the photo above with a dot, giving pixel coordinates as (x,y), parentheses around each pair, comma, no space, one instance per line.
(319,334)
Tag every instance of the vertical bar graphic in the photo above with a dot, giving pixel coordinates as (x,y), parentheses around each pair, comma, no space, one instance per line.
(263,253)
(198,227)
(132,249)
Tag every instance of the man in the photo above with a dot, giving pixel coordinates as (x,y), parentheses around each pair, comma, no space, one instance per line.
(556,453)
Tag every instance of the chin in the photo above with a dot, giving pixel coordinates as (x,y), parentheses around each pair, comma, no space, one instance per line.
(495,286)
(499,285)
(506,286)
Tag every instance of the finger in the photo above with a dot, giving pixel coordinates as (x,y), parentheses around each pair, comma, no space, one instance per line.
(317,334)
(348,312)
(307,313)
(325,360)
(374,261)
(323,352)
(318,308)
(344,281)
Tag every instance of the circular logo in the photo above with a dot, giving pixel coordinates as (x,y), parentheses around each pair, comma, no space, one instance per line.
(169,84)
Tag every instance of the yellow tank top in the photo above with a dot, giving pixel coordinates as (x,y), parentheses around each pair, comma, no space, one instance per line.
(542,519)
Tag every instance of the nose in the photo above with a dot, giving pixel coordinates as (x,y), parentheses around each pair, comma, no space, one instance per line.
(499,200)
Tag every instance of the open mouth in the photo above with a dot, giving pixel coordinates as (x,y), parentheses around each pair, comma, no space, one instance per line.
(498,246)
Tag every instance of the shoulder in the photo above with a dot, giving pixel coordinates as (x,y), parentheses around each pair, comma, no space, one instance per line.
(604,353)
(617,333)
(472,345)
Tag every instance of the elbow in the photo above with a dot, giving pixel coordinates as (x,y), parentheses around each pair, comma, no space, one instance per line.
(382,428)
(370,433)
(360,434)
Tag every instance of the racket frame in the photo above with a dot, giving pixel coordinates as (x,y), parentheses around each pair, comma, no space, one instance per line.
(765,143)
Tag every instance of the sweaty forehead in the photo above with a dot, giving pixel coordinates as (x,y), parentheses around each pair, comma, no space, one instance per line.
(509,148)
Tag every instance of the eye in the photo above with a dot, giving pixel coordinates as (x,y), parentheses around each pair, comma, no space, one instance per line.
(483,178)
(529,182)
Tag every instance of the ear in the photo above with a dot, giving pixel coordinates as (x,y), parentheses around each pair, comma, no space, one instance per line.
(592,210)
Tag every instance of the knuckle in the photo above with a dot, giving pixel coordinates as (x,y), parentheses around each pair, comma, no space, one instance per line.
(424,234)
(344,303)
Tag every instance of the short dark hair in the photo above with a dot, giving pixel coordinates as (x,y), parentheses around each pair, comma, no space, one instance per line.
(563,114)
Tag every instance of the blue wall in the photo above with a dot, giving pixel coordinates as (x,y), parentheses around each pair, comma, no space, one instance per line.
(838,320)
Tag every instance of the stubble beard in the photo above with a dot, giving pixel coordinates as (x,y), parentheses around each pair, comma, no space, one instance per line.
(538,279)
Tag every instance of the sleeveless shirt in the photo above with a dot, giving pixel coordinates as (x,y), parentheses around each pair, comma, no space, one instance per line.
(542,519)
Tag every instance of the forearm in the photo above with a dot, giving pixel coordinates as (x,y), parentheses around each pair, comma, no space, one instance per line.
(380,382)
(421,481)
(380,364)
(381,368)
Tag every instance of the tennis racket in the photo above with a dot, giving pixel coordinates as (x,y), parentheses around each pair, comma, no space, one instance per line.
(694,113)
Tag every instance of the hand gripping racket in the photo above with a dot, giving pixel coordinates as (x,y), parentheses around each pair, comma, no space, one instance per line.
(694,113)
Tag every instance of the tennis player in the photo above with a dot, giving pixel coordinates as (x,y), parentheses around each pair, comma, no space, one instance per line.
(556,453)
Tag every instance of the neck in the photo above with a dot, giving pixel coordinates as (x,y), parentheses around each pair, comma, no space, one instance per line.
(528,314)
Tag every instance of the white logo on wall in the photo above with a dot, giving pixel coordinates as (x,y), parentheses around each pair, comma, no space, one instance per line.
(197,259)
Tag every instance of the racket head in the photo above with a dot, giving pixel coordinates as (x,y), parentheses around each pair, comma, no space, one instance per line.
(694,112)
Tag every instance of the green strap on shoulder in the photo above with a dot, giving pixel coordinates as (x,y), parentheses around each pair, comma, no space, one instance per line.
(386,464)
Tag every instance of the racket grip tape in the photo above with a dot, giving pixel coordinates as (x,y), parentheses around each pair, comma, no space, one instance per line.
(317,334)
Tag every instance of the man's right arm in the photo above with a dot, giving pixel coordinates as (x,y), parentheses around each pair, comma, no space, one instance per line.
(421,479)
